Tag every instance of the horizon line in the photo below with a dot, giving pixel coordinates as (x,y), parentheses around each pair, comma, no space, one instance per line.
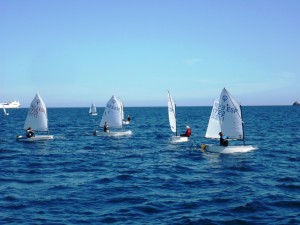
(148,106)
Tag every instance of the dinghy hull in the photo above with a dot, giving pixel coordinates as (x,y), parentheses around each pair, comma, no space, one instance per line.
(115,133)
(227,149)
(35,138)
(178,139)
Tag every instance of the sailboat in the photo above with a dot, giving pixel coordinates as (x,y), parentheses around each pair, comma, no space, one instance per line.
(93,110)
(173,121)
(113,116)
(37,119)
(5,113)
(226,117)
(125,122)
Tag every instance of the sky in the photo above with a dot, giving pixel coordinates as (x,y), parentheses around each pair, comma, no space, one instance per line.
(77,52)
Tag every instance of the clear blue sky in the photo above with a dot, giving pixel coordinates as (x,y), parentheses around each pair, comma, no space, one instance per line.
(78,52)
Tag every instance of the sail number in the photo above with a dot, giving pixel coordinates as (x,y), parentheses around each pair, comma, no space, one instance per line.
(219,111)
(113,107)
(35,109)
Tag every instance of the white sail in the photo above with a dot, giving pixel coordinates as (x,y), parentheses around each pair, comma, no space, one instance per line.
(225,117)
(122,108)
(112,113)
(37,117)
(172,113)
(93,109)
(4,112)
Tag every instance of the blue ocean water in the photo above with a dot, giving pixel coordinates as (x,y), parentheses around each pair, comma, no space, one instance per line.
(144,179)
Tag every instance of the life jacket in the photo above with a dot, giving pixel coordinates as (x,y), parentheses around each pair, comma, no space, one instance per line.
(188,132)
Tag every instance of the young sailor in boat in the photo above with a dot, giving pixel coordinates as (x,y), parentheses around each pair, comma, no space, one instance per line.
(128,118)
(223,139)
(29,132)
(106,127)
(187,133)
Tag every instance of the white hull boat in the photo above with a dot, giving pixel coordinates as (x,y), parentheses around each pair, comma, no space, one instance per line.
(113,116)
(35,138)
(228,149)
(173,121)
(93,110)
(10,105)
(226,117)
(37,120)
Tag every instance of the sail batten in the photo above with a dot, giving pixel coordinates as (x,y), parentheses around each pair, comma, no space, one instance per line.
(225,117)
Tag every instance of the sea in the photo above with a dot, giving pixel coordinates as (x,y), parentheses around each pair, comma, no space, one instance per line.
(78,178)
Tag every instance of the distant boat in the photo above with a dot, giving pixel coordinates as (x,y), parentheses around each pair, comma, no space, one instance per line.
(226,117)
(5,113)
(37,119)
(113,116)
(93,110)
(13,104)
(173,121)
(296,103)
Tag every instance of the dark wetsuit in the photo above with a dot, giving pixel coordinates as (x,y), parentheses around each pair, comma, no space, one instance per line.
(223,141)
(105,128)
(29,133)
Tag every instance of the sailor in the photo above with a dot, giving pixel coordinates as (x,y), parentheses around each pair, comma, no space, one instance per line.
(106,127)
(128,118)
(187,133)
(29,132)
(223,139)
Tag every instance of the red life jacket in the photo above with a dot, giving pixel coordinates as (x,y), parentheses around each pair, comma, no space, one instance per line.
(188,132)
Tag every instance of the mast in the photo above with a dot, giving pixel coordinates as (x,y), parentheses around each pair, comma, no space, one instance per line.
(175,118)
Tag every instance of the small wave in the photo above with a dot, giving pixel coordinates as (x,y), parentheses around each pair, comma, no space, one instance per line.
(287,204)
(289,187)
(186,220)
(128,200)
(88,147)
(148,209)
(124,177)
(110,219)
(21,181)
(10,198)
(15,206)
(60,137)
(288,179)
(59,187)
(251,207)
(104,181)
